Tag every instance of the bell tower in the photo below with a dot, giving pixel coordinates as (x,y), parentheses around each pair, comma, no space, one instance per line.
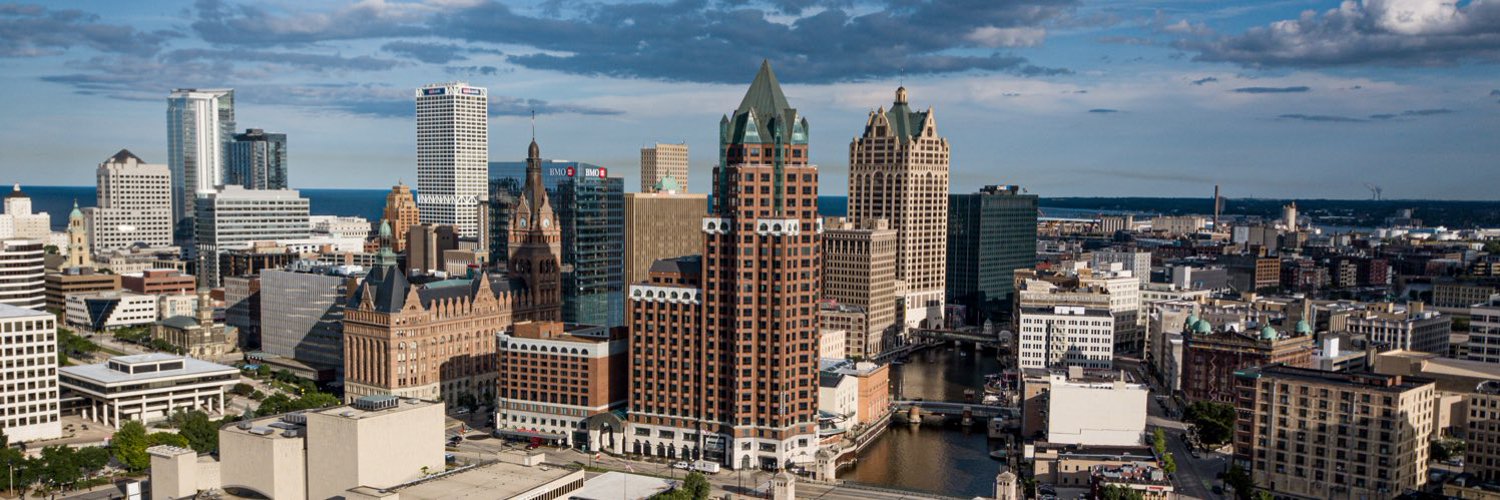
(536,241)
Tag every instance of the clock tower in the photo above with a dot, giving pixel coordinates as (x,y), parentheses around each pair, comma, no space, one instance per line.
(536,241)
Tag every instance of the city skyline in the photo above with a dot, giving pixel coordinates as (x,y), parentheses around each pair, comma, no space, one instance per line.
(1066,98)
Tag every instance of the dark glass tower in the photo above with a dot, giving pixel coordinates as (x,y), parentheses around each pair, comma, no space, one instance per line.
(990,234)
(257,160)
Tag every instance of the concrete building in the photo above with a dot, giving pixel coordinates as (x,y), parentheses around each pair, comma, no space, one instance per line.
(898,171)
(302,312)
(1062,336)
(1072,466)
(335,226)
(134,204)
(661,225)
(425,245)
(135,260)
(159,282)
(852,323)
(109,310)
(453,151)
(1412,328)
(59,285)
(991,234)
(1484,331)
(859,269)
(23,273)
(1073,399)
(378,442)
(401,212)
(1114,288)
(1179,225)
(1138,263)
(563,384)
(661,162)
(1312,434)
(28,360)
(145,387)
(242,308)
(200,126)
(1212,357)
(234,218)
(751,399)
(1461,295)
(19,223)
(858,393)
(1078,317)
(256,160)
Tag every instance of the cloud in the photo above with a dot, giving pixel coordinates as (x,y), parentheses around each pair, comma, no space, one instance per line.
(1206,79)
(33,30)
(472,70)
(1410,113)
(1271,90)
(1318,118)
(1103,110)
(1494,93)
(1182,27)
(1372,32)
(682,40)
(312,62)
(435,53)
(1126,40)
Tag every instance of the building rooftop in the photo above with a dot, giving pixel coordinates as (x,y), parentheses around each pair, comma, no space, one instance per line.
(113,372)
(1391,383)
(374,406)
(616,485)
(496,480)
(10,311)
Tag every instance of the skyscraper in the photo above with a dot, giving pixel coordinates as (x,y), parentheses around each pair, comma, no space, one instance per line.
(200,125)
(134,204)
(257,160)
(898,170)
(859,270)
(234,218)
(990,234)
(740,384)
(453,154)
(660,225)
(662,161)
(401,212)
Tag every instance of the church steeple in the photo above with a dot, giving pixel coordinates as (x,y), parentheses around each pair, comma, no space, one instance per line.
(78,240)
(536,239)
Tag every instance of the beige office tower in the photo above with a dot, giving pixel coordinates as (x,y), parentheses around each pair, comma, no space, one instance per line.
(661,162)
(898,171)
(859,269)
(661,225)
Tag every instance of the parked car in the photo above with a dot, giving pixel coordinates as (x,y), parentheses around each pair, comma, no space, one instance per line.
(681,465)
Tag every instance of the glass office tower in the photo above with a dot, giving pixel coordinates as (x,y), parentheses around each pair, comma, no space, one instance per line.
(990,234)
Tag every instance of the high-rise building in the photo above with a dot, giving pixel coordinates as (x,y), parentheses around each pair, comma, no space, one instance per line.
(257,160)
(590,210)
(18,222)
(453,152)
(29,362)
(401,212)
(234,218)
(662,162)
(23,273)
(302,313)
(991,234)
(1308,433)
(898,171)
(134,204)
(556,378)
(729,370)
(859,269)
(200,126)
(661,225)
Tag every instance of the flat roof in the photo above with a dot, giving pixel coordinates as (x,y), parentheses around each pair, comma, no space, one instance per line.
(613,485)
(10,311)
(494,481)
(100,372)
(350,412)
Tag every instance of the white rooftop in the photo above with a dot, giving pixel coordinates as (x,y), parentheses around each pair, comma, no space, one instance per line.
(102,374)
(10,311)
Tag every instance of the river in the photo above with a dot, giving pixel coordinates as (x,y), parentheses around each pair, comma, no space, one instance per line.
(938,459)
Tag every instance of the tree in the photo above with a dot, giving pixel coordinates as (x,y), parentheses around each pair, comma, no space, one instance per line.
(1169,463)
(93,459)
(1114,492)
(202,433)
(60,465)
(1215,421)
(1239,479)
(1159,441)
(1448,448)
(242,389)
(11,457)
(129,446)
(165,438)
(697,486)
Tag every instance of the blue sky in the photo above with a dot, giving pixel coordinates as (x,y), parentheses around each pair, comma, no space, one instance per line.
(1270,98)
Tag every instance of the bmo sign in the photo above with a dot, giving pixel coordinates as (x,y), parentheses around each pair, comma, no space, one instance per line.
(599,172)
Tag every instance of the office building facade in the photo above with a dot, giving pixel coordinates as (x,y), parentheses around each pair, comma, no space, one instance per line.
(134,204)
(302,313)
(234,218)
(257,160)
(18,222)
(555,378)
(660,225)
(452,154)
(29,363)
(663,161)
(200,126)
(991,234)
(401,211)
(859,269)
(23,273)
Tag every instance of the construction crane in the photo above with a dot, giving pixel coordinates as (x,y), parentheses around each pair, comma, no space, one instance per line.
(1375,191)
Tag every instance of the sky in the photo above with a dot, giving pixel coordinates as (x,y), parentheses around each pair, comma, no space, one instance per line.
(1268,98)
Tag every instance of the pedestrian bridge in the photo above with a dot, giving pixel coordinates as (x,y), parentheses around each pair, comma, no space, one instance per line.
(958,409)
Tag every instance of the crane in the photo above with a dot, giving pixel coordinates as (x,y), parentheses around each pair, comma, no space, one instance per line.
(1375,191)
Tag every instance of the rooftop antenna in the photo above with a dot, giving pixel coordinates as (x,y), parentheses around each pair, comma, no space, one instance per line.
(533,124)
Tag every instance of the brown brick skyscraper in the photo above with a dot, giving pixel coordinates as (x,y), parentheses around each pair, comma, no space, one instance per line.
(750,398)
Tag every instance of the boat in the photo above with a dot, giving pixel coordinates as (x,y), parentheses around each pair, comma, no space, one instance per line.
(991,399)
(999,454)
(969,394)
(996,428)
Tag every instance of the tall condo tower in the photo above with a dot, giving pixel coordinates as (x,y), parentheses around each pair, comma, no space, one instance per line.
(453,154)
(134,204)
(200,126)
(257,160)
(898,170)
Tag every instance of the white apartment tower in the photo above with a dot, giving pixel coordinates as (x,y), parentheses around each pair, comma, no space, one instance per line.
(662,161)
(23,273)
(134,204)
(200,126)
(19,222)
(898,170)
(28,359)
(453,154)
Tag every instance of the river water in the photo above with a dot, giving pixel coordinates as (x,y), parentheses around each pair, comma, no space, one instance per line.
(934,458)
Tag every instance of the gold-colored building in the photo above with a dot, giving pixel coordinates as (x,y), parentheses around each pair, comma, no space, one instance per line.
(661,162)
(859,269)
(401,211)
(661,225)
(58,285)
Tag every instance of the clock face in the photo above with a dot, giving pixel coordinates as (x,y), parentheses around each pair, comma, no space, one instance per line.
(523,222)
(546,223)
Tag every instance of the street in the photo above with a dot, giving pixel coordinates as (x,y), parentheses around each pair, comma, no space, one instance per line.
(1195,477)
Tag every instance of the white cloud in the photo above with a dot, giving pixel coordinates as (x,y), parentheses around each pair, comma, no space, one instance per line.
(1024,36)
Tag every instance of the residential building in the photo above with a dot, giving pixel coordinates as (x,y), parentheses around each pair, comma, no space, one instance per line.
(1062,336)
(134,204)
(728,343)
(159,282)
(257,160)
(873,385)
(852,324)
(302,312)
(1313,434)
(1456,379)
(1462,294)
(23,273)
(200,126)
(1484,331)
(401,211)
(898,171)
(453,151)
(1412,328)
(59,285)
(662,162)
(145,387)
(28,359)
(1482,434)
(109,310)
(19,223)
(859,269)
(442,345)
(1138,263)
(661,225)
(234,218)
(1211,357)
(590,209)
(991,234)
(1073,398)
(1080,288)
(564,384)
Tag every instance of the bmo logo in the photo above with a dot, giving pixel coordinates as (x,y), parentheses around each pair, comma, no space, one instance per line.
(599,172)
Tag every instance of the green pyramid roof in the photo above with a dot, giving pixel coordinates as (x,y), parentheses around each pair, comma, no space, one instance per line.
(765,95)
